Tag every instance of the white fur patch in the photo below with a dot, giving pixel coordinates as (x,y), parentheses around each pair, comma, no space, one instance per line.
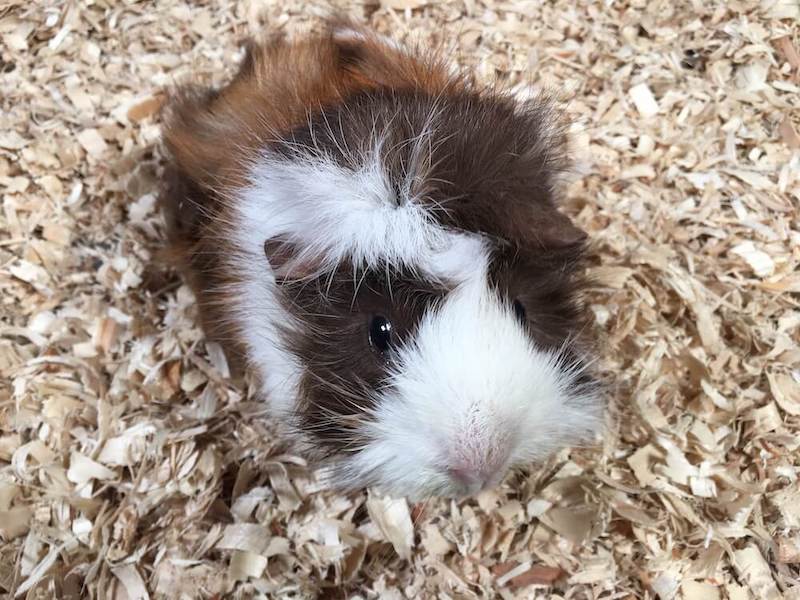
(260,313)
(333,215)
(473,393)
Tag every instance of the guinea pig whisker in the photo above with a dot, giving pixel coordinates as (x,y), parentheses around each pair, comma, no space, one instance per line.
(349,397)
(357,287)
(343,151)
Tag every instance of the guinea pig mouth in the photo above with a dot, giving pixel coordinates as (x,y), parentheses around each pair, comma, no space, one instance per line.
(470,472)
(466,484)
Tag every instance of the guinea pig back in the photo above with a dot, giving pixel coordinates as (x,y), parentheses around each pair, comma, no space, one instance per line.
(379,240)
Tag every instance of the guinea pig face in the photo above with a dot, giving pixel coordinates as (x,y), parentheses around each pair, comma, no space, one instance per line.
(407,290)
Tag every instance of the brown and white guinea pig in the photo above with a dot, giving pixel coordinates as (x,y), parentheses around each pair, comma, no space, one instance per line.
(379,239)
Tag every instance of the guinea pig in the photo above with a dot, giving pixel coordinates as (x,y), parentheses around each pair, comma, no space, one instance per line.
(377,237)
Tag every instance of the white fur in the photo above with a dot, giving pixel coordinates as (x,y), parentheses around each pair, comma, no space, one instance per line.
(333,214)
(259,313)
(470,392)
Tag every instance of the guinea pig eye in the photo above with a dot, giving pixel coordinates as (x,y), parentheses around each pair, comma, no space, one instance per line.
(380,333)
(519,311)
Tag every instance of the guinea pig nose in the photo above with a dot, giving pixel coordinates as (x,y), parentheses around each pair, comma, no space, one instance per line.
(471,480)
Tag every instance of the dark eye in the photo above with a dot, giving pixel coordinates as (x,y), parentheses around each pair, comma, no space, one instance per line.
(380,333)
(519,311)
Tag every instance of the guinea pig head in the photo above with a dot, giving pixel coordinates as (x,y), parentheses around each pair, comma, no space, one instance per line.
(408,290)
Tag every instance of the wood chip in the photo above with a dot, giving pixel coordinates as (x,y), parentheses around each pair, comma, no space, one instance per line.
(132,582)
(83,469)
(537,575)
(789,549)
(761,262)
(14,522)
(752,77)
(146,108)
(92,142)
(698,590)
(788,133)
(781,9)
(788,49)
(393,519)
(247,537)
(753,569)
(644,100)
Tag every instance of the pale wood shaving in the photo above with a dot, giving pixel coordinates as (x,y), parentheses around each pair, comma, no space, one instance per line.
(645,102)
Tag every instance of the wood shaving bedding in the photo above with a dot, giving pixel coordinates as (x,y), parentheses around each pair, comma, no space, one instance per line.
(133,464)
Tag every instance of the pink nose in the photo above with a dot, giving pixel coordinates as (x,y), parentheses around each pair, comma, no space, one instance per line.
(472,480)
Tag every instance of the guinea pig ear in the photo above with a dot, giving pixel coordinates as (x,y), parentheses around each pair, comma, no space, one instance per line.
(287,263)
(556,232)
(374,60)
(354,41)
(362,52)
